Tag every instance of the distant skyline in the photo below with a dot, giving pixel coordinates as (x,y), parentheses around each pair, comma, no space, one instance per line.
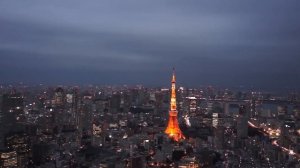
(252,43)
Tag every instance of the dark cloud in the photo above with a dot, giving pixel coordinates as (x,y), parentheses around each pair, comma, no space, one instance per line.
(252,43)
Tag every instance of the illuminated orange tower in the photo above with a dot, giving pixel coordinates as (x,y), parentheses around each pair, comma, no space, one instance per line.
(173,129)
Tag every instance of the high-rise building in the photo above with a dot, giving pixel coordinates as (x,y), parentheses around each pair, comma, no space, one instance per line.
(59,96)
(242,122)
(219,138)
(115,102)
(8,159)
(72,107)
(12,107)
(173,130)
(19,142)
(12,113)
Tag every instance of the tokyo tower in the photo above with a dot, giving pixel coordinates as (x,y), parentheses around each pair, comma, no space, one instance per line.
(173,130)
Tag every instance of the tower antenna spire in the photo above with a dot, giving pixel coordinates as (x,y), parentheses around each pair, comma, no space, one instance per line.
(173,76)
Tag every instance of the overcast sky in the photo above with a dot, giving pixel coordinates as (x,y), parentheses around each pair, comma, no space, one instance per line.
(255,43)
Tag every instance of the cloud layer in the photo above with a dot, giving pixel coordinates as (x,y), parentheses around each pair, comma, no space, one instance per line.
(252,43)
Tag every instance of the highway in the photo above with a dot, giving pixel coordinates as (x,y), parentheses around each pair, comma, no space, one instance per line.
(275,142)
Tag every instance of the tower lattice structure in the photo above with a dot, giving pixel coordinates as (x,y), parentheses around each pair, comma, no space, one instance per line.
(173,130)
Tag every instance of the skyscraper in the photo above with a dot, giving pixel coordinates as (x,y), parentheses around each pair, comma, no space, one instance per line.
(173,130)
(242,122)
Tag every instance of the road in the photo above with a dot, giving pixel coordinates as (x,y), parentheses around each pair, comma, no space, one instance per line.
(275,142)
